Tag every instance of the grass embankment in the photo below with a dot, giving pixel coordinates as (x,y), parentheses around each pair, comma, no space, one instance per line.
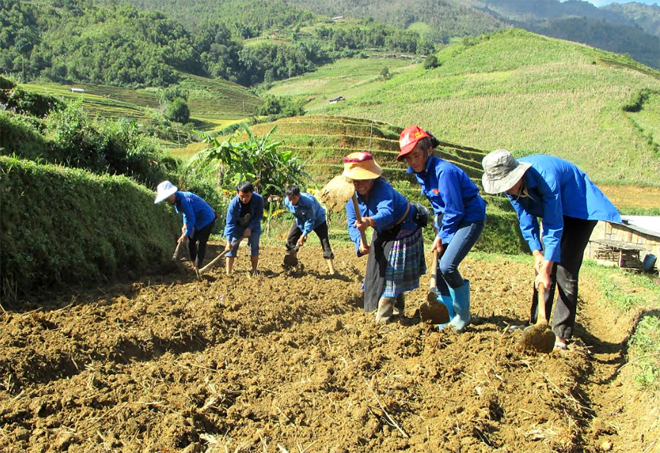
(64,226)
(523,92)
(628,293)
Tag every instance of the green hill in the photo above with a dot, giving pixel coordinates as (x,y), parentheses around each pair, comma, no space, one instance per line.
(213,103)
(526,93)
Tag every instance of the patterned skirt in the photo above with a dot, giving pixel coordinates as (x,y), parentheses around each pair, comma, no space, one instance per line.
(395,263)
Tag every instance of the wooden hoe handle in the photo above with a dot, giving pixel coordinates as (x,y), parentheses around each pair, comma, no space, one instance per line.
(434,270)
(359,218)
(540,304)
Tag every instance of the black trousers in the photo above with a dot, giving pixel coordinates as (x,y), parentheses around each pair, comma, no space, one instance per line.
(197,252)
(321,231)
(565,277)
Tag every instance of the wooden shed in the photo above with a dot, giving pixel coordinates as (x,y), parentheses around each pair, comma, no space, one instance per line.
(625,245)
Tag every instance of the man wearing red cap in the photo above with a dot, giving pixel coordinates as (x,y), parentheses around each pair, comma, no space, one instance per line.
(456,199)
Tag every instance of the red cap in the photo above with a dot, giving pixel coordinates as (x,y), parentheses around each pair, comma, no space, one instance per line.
(409,138)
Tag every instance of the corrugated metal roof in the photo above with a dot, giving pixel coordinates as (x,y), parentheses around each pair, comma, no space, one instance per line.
(644,224)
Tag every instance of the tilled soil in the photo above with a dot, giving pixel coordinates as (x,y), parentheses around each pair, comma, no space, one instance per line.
(288,362)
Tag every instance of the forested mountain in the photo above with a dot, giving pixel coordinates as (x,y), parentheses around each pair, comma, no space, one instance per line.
(117,44)
(629,39)
(629,28)
(535,10)
(446,18)
(645,16)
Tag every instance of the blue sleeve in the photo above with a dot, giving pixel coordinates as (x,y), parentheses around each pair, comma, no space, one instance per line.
(553,219)
(353,232)
(232,216)
(384,198)
(188,216)
(449,187)
(255,221)
(529,226)
(309,218)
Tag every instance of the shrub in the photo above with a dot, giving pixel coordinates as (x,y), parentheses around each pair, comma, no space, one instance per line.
(19,136)
(6,84)
(65,226)
(25,103)
(281,107)
(431,62)
(178,111)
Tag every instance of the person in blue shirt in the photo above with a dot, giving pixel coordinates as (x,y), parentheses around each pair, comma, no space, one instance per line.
(244,215)
(309,216)
(569,205)
(455,199)
(198,219)
(396,252)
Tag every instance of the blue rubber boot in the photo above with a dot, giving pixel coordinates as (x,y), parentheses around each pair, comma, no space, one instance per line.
(448,302)
(461,303)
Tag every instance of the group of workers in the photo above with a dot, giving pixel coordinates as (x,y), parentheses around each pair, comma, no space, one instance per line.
(541,187)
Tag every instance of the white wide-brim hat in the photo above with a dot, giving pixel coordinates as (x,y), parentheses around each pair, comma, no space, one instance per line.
(164,190)
(501,171)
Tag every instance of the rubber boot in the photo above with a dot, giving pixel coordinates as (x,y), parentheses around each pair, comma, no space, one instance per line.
(385,309)
(461,303)
(399,305)
(448,302)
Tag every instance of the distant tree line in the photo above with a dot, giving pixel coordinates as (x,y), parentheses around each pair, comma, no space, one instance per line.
(77,41)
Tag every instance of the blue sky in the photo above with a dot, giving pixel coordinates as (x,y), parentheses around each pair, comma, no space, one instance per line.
(607,2)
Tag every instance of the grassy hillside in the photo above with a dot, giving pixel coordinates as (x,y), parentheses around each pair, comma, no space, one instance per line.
(526,93)
(213,103)
(345,77)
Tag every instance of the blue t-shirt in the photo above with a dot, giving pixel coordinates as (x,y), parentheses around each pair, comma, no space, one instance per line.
(385,206)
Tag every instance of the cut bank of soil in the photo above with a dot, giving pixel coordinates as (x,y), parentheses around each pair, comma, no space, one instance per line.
(287,361)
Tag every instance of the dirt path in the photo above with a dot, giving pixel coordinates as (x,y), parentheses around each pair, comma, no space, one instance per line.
(289,362)
(622,418)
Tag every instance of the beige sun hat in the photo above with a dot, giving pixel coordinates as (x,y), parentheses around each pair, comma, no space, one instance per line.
(361,166)
(164,190)
(501,171)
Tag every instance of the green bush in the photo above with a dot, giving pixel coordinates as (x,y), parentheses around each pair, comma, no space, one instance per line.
(23,102)
(177,110)
(64,226)
(18,135)
(6,84)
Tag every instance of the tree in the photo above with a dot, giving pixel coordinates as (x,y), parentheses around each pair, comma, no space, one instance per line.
(431,62)
(177,111)
(385,73)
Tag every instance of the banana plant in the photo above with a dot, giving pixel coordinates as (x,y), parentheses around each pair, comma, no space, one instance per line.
(258,160)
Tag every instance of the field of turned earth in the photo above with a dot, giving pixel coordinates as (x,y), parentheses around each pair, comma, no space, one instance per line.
(288,362)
